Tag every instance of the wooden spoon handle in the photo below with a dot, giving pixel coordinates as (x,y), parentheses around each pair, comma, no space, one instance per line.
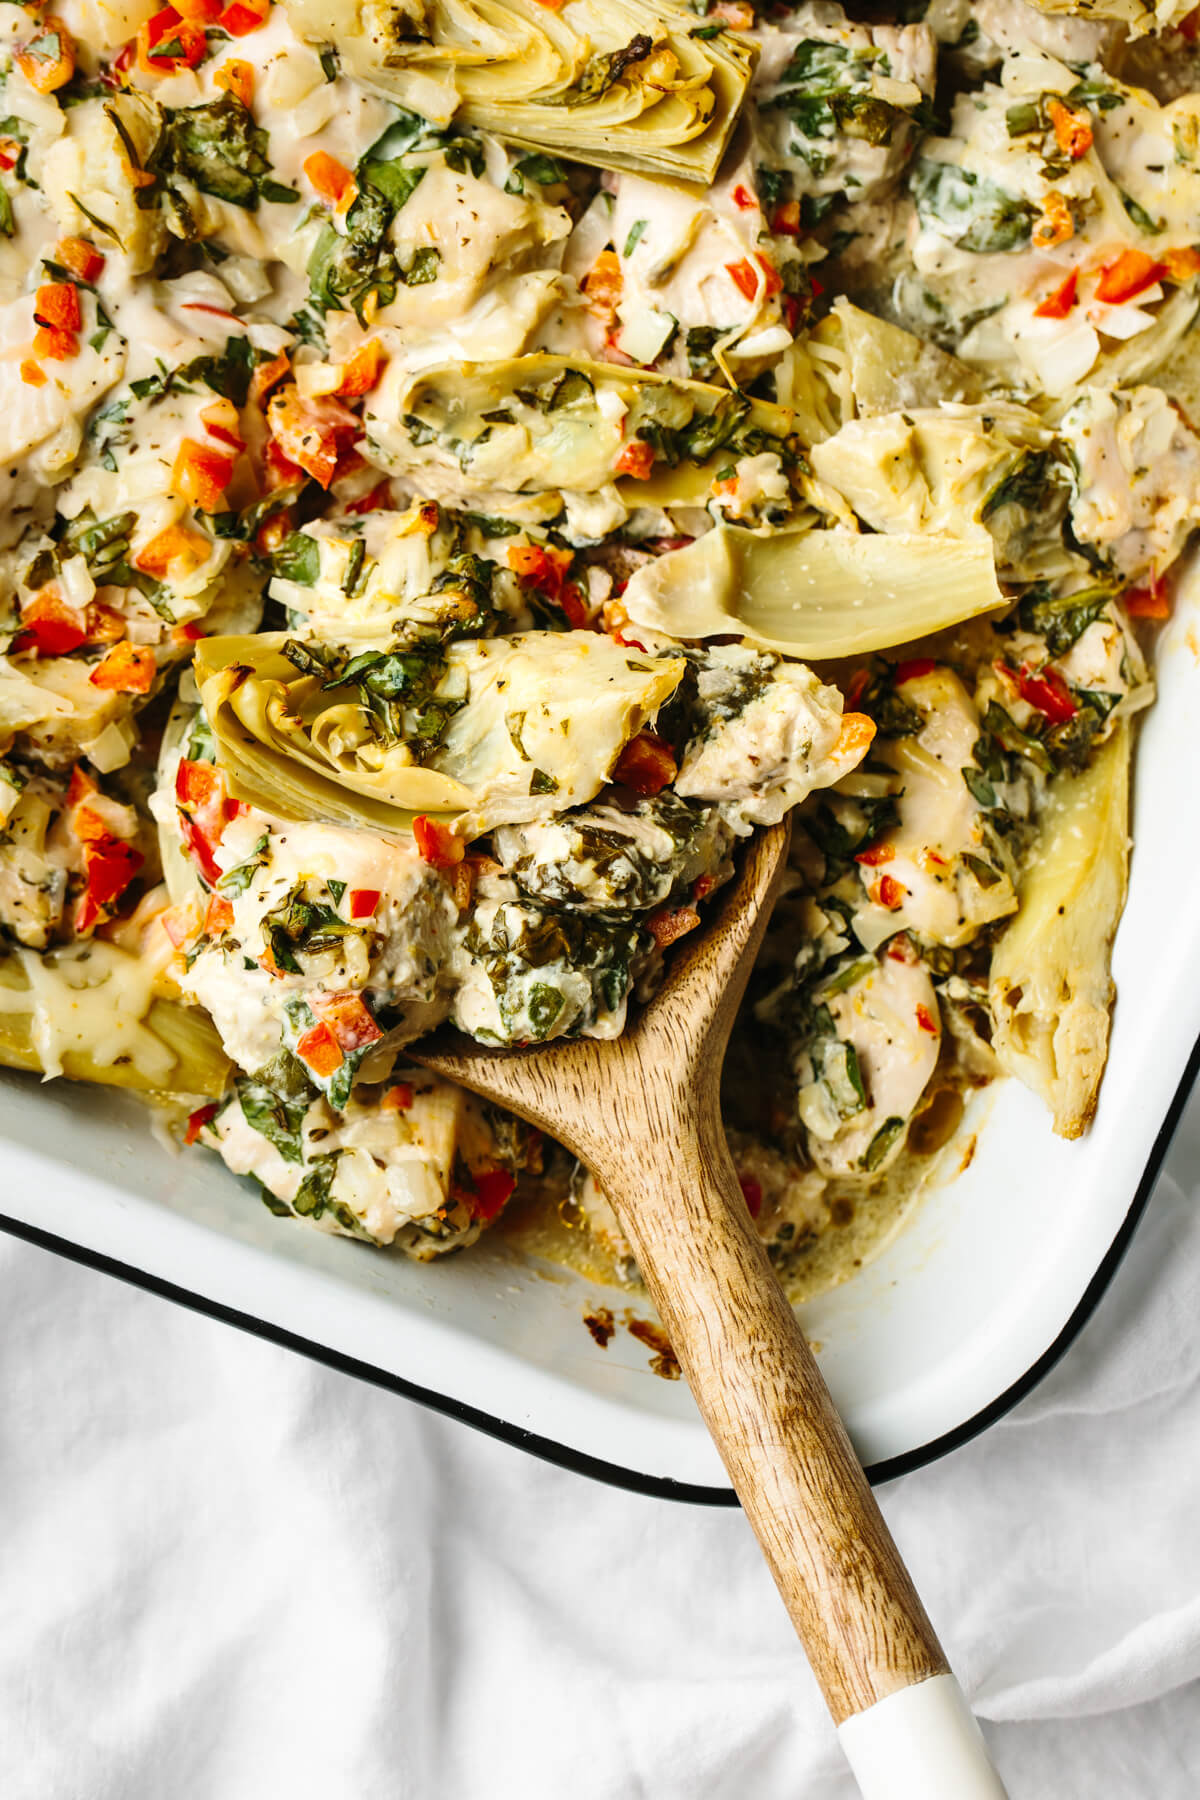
(766,1405)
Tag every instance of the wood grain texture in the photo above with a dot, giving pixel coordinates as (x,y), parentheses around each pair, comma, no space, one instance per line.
(643,1112)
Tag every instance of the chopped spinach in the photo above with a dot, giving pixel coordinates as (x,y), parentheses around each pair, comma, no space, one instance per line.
(298,559)
(1061,619)
(880,1145)
(547,171)
(977,213)
(236,881)
(274,1102)
(299,926)
(218,148)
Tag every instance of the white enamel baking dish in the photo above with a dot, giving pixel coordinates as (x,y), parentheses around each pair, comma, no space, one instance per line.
(966,1309)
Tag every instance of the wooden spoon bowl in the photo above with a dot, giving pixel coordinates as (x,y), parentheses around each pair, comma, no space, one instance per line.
(642,1111)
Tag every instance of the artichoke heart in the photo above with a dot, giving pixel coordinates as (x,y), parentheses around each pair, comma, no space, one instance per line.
(508,729)
(630,85)
(814,594)
(1051,990)
(988,469)
(87,1011)
(549,422)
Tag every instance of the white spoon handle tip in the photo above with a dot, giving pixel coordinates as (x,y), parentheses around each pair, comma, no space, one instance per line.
(922,1743)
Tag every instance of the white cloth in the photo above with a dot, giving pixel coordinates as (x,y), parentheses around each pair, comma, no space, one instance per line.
(226,1574)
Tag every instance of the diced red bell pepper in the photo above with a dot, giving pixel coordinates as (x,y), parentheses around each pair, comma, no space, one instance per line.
(198,1120)
(48,62)
(398,1098)
(236,77)
(1072,130)
(320,1050)
(1058,304)
(636,459)
(1046,691)
(1131,273)
(772,279)
(204,810)
(311,433)
(887,892)
(875,854)
(744,277)
(646,764)
(900,949)
(349,1019)
(329,177)
(240,19)
(267,375)
(752,1191)
(362,370)
(541,567)
(492,1190)
(56,303)
(913,669)
(743,199)
(80,786)
(785,220)
(49,627)
(1150,602)
(126,669)
(436,843)
(53,344)
(110,865)
(363,902)
(201,474)
(168,42)
(174,544)
(218,916)
(80,257)
(603,283)
(378,498)
(571,601)
(925,1021)
(667,924)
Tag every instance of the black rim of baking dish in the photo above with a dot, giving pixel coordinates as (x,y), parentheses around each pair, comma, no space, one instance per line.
(658,1487)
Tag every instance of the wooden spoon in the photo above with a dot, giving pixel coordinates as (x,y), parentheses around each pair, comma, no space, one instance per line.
(643,1113)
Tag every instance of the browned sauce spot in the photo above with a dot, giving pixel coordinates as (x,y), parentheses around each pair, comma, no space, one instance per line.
(841,1211)
(601,1324)
(663,1361)
(937,1122)
(968,1156)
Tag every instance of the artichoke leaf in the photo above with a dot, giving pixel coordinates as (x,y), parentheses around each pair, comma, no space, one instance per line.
(814,594)
(88,1012)
(631,84)
(536,724)
(543,423)
(889,369)
(1050,986)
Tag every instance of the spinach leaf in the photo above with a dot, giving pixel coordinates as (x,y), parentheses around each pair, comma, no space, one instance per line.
(978,214)
(881,1143)
(547,171)
(218,148)
(274,1102)
(1025,486)
(1062,619)
(298,559)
